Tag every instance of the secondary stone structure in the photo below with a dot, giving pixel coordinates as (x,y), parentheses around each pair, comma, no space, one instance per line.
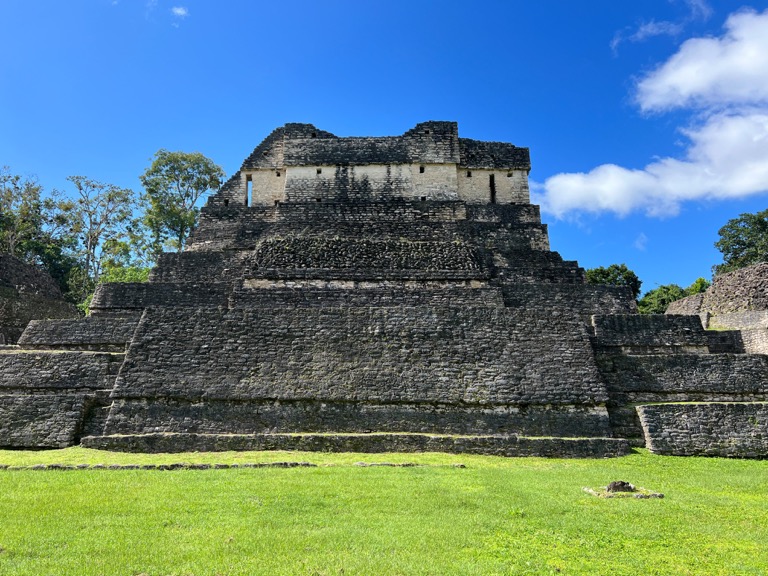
(372,294)
(27,293)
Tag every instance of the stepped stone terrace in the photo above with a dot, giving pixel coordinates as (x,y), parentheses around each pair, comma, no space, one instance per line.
(379,294)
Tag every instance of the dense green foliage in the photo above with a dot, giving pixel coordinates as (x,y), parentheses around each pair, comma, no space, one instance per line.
(743,242)
(174,183)
(656,301)
(615,275)
(99,232)
(496,516)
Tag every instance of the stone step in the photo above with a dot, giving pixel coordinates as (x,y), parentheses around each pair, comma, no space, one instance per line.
(372,443)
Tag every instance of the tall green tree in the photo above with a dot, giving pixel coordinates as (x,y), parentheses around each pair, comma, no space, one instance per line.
(174,183)
(615,275)
(99,217)
(33,226)
(21,214)
(743,242)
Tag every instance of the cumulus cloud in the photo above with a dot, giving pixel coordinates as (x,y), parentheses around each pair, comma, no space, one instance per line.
(723,83)
(180,11)
(729,70)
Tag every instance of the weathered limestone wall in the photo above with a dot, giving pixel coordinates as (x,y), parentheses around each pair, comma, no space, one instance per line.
(121,298)
(46,397)
(412,369)
(266,187)
(371,182)
(744,320)
(650,334)
(107,334)
(735,300)
(375,443)
(633,380)
(579,300)
(510,186)
(668,358)
(745,289)
(690,305)
(57,371)
(737,430)
(27,293)
(754,341)
(43,421)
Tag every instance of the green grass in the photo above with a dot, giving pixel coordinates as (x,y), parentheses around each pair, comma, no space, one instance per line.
(496,516)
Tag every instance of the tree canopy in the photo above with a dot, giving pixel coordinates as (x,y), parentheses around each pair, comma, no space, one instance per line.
(657,300)
(174,183)
(615,275)
(743,242)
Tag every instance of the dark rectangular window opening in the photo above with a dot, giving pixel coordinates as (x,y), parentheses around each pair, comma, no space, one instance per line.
(423,198)
(469,173)
(509,174)
(226,201)
(492,182)
(314,134)
(318,199)
(421,169)
(277,173)
(319,170)
(277,202)
(248,190)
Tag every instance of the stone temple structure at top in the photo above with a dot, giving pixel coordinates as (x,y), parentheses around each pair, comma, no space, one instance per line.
(379,294)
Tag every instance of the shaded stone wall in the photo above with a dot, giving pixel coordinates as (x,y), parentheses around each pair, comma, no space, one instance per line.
(125,297)
(476,355)
(92,333)
(650,333)
(447,370)
(47,397)
(707,429)
(27,293)
(668,358)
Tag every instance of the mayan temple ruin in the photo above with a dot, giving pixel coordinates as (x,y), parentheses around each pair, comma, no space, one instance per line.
(380,294)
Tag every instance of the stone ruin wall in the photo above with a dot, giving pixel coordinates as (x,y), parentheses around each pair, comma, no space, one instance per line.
(27,293)
(707,429)
(404,303)
(652,359)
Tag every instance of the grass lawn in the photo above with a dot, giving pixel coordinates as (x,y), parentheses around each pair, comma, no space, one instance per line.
(496,516)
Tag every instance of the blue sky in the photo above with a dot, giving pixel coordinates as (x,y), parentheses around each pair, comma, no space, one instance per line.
(647,121)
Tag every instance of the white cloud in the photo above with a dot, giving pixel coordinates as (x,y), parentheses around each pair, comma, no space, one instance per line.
(732,69)
(647,30)
(724,83)
(699,9)
(180,11)
(641,242)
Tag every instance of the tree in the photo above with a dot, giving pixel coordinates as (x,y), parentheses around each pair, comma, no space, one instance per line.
(21,214)
(99,217)
(615,275)
(743,242)
(656,301)
(174,184)
(33,226)
(699,285)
